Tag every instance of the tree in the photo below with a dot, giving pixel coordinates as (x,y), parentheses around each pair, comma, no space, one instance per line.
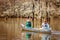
(4,5)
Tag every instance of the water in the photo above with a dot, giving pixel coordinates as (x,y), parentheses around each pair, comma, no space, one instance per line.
(45,37)
(41,36)
(10,30)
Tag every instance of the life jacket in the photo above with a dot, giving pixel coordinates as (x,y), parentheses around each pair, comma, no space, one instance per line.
(28,24)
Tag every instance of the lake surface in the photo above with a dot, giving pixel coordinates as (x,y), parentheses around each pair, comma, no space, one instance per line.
(10,29)
(41,36)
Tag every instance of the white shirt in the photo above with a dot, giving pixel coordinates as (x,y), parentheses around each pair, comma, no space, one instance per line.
(45,25)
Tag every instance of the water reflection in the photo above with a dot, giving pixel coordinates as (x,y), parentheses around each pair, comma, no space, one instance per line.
(40,36)
(45,37)
(28,36)
(11,31)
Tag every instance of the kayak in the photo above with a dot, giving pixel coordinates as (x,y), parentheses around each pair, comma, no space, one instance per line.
(36,30)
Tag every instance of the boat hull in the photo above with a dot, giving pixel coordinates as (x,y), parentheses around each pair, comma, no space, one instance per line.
(36,30)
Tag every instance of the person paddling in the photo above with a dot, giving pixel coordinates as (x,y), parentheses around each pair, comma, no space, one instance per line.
(28,25)
(45,25)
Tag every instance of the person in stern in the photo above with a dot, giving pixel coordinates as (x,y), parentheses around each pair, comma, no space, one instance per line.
(45,25)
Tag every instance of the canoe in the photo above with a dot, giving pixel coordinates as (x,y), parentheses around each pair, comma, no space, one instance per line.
(36,30)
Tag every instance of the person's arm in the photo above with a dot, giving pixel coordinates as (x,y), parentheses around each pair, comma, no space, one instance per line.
(48,25)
